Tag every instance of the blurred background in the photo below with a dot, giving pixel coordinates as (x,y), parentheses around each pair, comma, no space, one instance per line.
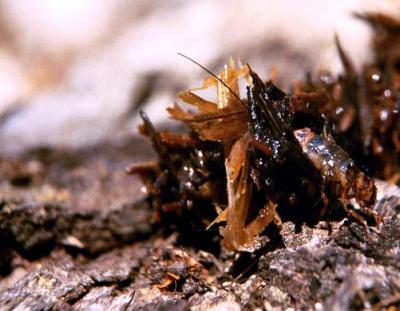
(75,72)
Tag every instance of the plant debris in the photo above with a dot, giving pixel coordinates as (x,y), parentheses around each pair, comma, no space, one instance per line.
(251,162)
(272,172)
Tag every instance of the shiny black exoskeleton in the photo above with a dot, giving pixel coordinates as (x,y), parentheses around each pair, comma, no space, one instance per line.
(279,168)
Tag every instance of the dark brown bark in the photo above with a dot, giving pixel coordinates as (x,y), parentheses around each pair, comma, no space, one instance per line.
(62,251)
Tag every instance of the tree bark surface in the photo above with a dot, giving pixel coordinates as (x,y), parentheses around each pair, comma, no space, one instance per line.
(76,235)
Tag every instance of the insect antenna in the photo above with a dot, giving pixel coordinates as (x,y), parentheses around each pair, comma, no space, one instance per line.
(199,119)
(215,76)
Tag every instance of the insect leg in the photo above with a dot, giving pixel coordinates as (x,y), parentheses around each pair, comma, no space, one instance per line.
(357,217)
(260,146)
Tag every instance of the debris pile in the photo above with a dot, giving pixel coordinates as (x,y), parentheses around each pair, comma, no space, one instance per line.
(271,156)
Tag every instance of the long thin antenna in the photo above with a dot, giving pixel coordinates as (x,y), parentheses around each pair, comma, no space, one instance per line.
(214,75)
(205,119)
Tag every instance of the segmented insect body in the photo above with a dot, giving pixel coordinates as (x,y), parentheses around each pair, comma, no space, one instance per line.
(271,154)
(331,160)
(338,170)
(342,178)
(301,164)
(278,166)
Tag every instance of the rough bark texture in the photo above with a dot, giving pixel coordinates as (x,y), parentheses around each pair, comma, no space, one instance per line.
(75,234)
